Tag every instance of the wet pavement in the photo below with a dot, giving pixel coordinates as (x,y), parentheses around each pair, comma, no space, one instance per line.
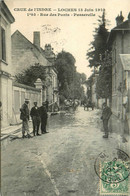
(60,162)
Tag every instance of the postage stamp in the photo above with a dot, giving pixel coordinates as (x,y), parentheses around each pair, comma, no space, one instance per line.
(113,174)
(114,178)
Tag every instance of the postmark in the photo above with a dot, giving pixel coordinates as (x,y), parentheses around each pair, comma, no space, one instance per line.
(113,171)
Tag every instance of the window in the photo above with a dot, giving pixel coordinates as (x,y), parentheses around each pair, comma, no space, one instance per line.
(3,44)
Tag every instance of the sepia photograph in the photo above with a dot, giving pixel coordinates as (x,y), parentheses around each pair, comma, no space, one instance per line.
(64,97)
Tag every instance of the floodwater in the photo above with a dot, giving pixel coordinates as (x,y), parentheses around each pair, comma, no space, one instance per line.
(60,163)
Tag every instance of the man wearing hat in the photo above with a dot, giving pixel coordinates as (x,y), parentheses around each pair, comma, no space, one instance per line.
(24,116)
(44,116)
(106,113)
(35,114)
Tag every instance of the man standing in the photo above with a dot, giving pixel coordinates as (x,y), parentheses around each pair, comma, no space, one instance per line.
(24,116)
(44,116)
(35,114)
(106,113)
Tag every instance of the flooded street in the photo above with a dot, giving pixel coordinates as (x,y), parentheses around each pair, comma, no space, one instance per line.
(60,162)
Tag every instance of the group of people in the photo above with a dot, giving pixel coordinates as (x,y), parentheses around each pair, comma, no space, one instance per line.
(71,103)
(39,116)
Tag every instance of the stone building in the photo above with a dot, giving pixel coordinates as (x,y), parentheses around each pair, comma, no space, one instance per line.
(51,85)
(51,75)
(119,41)
(48,53)
(6,19)
(26,54)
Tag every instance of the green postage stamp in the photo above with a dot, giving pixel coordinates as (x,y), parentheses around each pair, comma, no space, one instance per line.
(114,178)
(113,171)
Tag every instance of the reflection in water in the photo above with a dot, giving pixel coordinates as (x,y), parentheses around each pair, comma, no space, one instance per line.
(61,120)
(77,119)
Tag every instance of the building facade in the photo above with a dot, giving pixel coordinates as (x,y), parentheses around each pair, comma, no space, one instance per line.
(6,19)
(26,54)
(119,40)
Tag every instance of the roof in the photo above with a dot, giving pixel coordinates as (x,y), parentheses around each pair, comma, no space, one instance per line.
(124,26)
(33,46)
(125,59)
(4,9)
(50,57)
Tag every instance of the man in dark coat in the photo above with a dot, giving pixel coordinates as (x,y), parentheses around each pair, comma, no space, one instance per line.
(35,114)
(106,113)
(44,116)
(24,116)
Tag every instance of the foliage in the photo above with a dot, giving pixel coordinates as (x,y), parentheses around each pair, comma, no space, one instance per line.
(104,81)
(69,79)
(65,64)
(99,57)
(99,44)
(30,75)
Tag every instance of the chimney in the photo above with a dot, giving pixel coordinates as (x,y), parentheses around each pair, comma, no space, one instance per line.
(36,38)
(119,19)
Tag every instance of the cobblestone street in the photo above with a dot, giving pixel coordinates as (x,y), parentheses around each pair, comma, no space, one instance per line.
(60,162)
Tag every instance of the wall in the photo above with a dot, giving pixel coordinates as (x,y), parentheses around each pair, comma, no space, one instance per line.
(128,114)
(120,46)
(25,54)
(101,101)
(52,85)
(5,68)
(20,92)
(55,87)
(6,98)
(6,65)
(94,97)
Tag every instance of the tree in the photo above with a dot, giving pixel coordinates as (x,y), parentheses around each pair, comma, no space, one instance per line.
(99,57)
(104,81)
(69,79)
(99,44)
(30,75)
(65,65)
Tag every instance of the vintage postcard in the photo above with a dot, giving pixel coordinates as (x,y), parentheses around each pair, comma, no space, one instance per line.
(65,97)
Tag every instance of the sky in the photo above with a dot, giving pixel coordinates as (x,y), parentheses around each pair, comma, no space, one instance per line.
(69,33)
